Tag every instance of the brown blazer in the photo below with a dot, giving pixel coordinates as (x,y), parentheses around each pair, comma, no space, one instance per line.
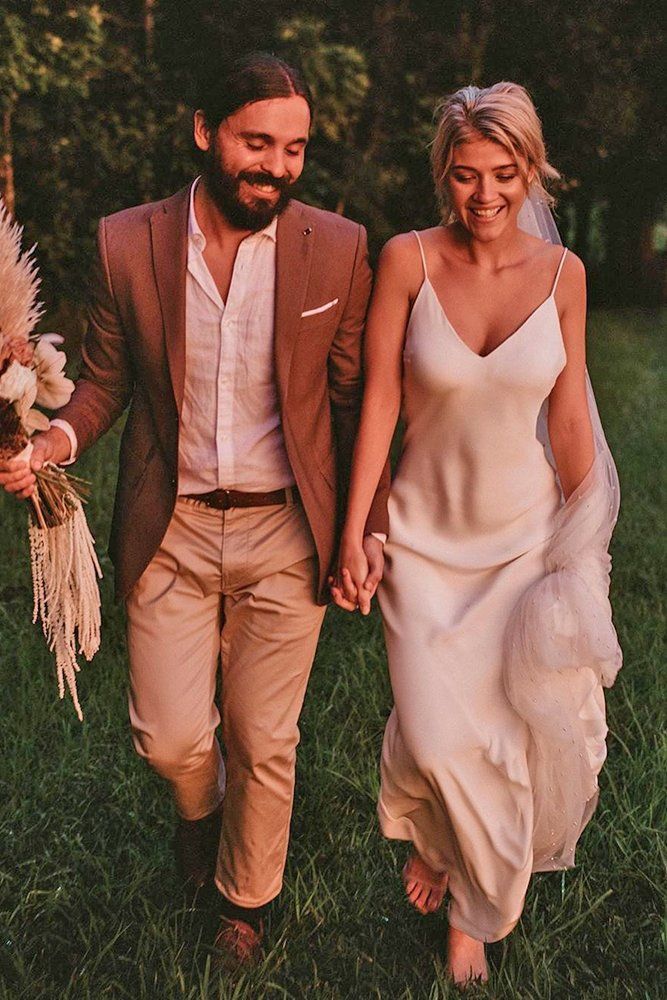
(134,353)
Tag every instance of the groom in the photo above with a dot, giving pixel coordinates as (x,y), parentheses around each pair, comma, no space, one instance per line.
(229,318)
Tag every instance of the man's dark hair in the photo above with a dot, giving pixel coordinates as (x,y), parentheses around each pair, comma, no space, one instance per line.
(257,76)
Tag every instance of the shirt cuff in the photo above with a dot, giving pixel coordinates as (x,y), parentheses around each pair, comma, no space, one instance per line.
(380,535)
(65,426)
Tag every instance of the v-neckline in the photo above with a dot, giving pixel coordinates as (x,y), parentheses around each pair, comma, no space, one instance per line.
(511,336)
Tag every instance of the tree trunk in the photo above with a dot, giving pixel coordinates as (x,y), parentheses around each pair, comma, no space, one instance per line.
(387,21)
(149,29)
(7,189)
(583,205)
(474,32)
(384,63)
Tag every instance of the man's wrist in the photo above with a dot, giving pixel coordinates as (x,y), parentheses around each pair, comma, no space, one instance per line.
(64,441)
(380,535)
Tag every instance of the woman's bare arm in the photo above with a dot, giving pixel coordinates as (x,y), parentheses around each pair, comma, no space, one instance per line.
(398,277)
(570,429)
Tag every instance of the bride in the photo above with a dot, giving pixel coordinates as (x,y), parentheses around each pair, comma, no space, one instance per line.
(495,608)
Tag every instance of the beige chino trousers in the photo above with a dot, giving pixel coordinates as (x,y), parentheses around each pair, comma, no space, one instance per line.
(235,588)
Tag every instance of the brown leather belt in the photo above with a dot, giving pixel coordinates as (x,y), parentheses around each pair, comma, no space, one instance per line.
(226,499)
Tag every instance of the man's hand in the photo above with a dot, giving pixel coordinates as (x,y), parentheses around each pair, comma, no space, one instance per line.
(351,574)
(360,571)
(18,476)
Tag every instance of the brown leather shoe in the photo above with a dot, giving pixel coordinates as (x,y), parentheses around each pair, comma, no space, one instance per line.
(239,944)
(197,849)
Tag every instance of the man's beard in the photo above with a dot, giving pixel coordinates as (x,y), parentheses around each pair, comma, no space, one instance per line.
(223,188)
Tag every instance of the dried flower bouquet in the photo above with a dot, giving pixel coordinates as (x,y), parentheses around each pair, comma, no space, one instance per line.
(64,565)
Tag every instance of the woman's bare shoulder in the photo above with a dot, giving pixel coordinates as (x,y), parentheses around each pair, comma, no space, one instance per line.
(548,256)
(400,259)
(571,289)
(571,302)
(400,248)
(573,266)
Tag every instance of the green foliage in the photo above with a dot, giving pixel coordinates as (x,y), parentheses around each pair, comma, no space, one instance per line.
(18,63)
(53,47)
(337,75)
(101,112)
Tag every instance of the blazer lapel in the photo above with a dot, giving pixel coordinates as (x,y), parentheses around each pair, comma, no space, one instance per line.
(294,251)
(169,235)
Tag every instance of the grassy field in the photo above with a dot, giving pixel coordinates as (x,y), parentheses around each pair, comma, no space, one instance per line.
(90,905)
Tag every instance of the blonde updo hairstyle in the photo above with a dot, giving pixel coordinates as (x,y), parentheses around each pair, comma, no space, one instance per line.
(503,113)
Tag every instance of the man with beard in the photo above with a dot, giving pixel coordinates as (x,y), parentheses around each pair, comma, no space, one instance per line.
(229,318)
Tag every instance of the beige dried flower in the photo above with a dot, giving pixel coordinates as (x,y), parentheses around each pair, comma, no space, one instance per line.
(19,281)
(15,349)
(53,387)
(35,420)
(18,383)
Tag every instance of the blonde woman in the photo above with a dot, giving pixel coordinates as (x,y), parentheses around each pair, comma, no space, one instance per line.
(494,600)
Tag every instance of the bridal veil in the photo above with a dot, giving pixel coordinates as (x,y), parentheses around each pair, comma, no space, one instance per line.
(561,647)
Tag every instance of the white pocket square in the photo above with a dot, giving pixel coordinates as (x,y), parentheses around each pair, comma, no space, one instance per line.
(320,309)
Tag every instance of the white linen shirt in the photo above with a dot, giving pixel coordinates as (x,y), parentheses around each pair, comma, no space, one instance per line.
(230,430)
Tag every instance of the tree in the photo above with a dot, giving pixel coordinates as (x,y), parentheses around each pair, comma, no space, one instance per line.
(54,50)
(96,102)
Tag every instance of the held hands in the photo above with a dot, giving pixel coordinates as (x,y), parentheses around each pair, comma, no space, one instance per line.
(360,571)
(17,475)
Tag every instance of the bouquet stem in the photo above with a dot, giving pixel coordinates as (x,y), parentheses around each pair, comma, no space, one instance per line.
(65,570)
(38,510)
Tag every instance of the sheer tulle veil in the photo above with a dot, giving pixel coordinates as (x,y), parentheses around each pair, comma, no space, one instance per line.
(561,647)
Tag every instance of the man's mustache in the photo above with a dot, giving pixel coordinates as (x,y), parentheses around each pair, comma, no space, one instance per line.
(281,184)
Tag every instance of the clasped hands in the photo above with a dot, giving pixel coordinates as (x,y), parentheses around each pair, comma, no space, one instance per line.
(360,569)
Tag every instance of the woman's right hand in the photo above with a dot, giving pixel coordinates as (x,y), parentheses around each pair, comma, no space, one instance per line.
(348,585)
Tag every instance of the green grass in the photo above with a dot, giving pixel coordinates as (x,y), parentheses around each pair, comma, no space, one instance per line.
(90,904)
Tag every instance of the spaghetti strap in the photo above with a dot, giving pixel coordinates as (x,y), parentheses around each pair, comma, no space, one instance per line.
(560,268)
(421,250)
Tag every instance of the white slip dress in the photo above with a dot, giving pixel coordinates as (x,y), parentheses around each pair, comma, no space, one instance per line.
(473,512)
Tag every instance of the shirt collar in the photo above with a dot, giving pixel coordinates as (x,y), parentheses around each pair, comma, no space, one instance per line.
(196,236)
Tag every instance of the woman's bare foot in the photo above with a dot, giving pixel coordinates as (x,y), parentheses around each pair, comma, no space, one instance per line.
(425,888)
(466,962)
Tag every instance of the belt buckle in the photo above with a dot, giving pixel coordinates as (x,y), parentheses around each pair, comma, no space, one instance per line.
(226,501)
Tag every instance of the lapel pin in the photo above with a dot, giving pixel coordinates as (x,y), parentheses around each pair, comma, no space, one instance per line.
(308,230)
